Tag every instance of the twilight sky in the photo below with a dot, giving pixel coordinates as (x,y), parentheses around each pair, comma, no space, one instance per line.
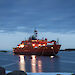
(52,18)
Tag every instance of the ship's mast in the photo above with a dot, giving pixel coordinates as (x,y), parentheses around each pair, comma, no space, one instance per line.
(35,33)
(57,42)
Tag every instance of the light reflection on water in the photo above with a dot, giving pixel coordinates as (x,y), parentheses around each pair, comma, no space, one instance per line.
(22,63)
(33,63)
(36,65)
(39,66)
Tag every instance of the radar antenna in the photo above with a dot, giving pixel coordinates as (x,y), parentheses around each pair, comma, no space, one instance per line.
(35,33)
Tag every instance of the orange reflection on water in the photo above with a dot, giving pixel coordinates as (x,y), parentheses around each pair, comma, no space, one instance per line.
(33,63)
(36,65)
(39,66)
(22,63)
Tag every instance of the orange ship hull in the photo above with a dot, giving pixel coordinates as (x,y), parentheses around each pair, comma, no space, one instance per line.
(44,50)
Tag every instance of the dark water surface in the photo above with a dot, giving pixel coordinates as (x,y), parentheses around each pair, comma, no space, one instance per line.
(63,62)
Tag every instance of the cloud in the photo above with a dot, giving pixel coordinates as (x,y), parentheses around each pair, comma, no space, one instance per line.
(1,31)
(53,16)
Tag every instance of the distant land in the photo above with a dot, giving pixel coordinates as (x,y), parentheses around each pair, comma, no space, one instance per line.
(3,51)
(69,49)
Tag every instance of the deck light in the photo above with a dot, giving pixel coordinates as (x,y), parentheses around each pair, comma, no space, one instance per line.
(51,47)
(39,45)
(43,44)
(33,44)
(51,56)
(21,45)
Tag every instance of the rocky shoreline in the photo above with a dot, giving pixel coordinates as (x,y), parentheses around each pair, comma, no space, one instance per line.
(18,72)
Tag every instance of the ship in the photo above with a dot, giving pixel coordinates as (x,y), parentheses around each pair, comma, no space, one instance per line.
(34,46)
